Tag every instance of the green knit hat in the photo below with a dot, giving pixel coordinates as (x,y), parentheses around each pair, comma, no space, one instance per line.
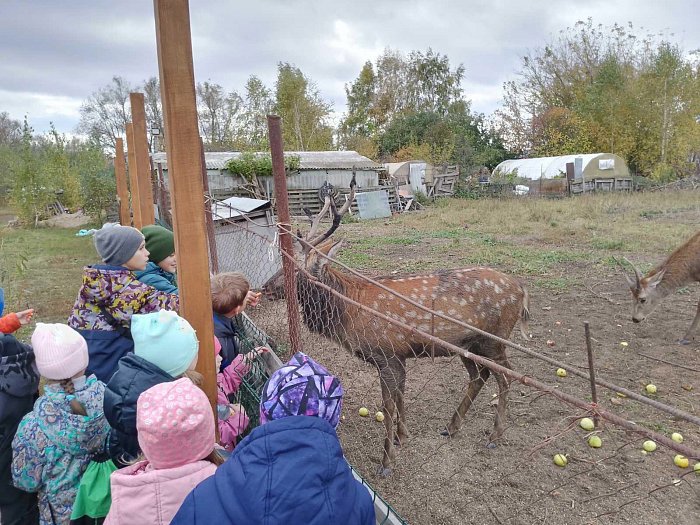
(160,242)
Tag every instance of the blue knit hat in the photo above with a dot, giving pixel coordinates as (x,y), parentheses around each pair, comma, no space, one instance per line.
(166,340)
(302,388)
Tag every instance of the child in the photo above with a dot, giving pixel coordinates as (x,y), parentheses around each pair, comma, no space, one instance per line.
(162,263)
(233,419)
(165,347)
(176,434)
(291,468)
(111,294)
(19,382)
(56,441)
(13,321)
(230,294)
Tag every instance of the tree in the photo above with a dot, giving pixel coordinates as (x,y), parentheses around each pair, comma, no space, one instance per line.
(218,113)
(597,88)
(98,186)
(257,105)
(29,193)
(432,85)
(303,110)
(103,116)
(361,96)
(57,174)
(10,130)
(154,112)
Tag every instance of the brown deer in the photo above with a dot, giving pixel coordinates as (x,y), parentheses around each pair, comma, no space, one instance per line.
(484,298)
(680,269)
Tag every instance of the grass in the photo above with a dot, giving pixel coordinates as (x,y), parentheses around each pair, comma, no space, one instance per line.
(41,269)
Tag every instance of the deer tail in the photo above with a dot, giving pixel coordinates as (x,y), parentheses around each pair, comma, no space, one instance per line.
(525,314)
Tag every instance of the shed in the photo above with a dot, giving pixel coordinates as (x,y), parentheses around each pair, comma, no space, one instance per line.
(244,229)
(315,167)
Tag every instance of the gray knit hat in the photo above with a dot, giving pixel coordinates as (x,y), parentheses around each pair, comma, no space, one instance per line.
(117,244)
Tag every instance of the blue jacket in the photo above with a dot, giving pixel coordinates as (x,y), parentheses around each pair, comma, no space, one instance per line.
(19,384)
(226,332)
(289,471)
(155,276)
(134,376)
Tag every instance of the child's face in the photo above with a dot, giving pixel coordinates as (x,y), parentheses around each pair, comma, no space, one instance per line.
(139,260)
(169,264)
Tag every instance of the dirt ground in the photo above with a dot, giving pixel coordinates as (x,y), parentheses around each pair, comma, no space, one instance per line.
(458,480)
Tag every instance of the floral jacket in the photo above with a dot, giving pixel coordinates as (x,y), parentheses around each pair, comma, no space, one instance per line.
(53,446)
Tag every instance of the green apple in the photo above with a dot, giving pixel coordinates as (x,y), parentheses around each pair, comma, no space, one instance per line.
(379,416)
(649,445)
(677,437)
(364,412)
(651,388)
(595,442)
(560,460)
(587,424)
(680,461)
(561,372)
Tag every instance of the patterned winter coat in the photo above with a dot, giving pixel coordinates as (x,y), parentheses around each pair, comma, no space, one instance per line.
(117,290)
(53,447)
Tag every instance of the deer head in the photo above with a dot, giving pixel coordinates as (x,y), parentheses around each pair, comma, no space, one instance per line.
(645,292)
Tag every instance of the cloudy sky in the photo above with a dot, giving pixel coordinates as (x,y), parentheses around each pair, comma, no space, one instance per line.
(53,55)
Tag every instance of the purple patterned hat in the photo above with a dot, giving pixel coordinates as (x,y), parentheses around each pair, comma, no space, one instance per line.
(302,387)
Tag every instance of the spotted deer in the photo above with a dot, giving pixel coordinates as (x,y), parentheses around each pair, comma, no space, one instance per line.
(482,297)
(681,268)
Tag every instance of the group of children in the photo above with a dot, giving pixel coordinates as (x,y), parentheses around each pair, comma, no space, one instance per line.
(119,379)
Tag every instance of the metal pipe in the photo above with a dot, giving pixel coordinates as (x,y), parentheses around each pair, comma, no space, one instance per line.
(282,204)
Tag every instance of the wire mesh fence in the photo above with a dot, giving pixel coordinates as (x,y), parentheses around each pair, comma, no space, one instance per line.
(458,479)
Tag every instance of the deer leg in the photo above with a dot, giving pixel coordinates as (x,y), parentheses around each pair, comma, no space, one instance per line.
(688,337)
(389,384)
(503,387)
(477,377)
(402,429)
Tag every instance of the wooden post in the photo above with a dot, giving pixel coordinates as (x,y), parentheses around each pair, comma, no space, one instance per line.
(185,178)
(285,227)
(143,162)
(211,237)
(122,189)
(133,177)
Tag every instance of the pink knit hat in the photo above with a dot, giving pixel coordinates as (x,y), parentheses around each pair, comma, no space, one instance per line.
(60,351)
(175,424)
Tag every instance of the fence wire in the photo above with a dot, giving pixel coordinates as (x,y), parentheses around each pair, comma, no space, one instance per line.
(436,479)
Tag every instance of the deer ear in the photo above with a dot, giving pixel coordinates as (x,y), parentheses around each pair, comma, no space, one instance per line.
(655,279)
(332,251)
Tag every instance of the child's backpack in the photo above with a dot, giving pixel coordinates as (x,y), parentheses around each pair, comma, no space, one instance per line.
(94,496)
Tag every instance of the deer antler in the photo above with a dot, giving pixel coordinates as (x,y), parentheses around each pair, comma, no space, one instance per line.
(637,273)
(337,215)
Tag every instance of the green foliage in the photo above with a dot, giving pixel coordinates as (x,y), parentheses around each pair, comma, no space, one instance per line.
(303,111)
(249,165)
(98,185)
(597,88)
(30,193)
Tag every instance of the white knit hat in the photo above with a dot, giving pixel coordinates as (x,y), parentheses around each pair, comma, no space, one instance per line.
(60,351)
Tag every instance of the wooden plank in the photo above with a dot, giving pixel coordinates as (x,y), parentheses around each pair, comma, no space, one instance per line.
(143,160)
(133,177)
(185,169)
(122,189)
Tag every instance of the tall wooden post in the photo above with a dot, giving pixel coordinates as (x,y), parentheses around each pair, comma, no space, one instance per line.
(122,190)
(185,178)
(143,161)
(274,129)
(133,177)
(211,237)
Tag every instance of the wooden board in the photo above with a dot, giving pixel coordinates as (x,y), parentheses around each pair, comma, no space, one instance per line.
(133,177)
(142,158)
(122,189)
(185,173)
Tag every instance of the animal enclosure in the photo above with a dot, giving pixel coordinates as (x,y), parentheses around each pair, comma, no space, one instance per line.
(563,253)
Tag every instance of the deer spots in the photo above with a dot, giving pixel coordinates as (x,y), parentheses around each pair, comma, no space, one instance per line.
(512,299)
(502,281)
(471,298)
(462,301)
(477,284)
(375,305)
(381,296)
(412,314)
(425,281)
(497,288)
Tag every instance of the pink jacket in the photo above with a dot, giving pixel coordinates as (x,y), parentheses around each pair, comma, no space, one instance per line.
(145,496)
(229,381)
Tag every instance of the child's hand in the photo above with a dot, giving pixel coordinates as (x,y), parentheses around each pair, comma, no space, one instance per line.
(250,357)
(25,316)
(235,408)
(253,298)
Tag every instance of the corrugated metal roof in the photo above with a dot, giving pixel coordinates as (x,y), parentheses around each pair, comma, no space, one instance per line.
(308,160)
(237,206)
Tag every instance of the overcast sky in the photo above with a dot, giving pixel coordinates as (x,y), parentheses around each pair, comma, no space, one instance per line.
(53,55)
